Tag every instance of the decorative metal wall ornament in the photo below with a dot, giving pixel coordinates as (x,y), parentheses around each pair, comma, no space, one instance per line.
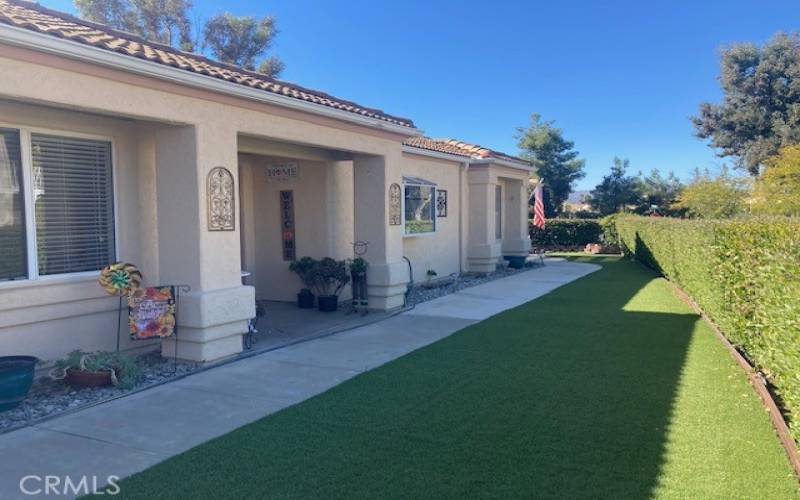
(287,225)
(221,200)
(395,200)
(441,203)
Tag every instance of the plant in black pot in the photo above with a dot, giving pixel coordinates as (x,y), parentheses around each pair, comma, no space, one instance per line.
(303,268)
(97,369)
(16,377)
(329,277)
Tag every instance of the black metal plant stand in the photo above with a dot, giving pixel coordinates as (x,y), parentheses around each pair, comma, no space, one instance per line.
(360,302)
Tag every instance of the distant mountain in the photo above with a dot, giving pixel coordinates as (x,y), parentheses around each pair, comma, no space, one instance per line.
(577,196)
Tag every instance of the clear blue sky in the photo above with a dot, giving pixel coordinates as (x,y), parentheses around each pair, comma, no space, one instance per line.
(621,78)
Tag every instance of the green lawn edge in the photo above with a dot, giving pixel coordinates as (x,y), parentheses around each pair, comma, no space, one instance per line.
(608,387)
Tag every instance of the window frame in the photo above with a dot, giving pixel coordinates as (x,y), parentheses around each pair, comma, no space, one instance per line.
(434,187)
(26,149)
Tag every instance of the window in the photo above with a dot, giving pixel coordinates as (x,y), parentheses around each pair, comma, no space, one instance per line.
(419,206)
(13,247)
(498,212)
(66,223)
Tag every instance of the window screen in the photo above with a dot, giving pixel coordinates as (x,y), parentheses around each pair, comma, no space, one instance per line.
(13,246)
(73,204)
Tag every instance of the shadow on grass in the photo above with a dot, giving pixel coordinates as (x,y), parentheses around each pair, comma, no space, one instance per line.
(568,396)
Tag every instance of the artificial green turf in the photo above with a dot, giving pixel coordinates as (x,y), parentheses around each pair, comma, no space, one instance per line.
(609,387)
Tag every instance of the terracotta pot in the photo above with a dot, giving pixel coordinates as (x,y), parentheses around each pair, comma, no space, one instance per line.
(81,380)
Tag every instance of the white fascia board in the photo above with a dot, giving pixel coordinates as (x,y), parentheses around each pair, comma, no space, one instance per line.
(21,37)
(472,161)
(436,154)
(506,163)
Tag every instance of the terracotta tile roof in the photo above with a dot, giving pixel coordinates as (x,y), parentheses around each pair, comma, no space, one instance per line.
(459,148)
(33,17)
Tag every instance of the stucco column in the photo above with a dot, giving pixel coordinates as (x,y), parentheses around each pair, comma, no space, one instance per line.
(387,276)
(339,204)
(213,316)
(483,249)
(516,240)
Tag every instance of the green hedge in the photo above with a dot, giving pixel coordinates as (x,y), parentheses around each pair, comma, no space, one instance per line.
(745,274)
(566,232)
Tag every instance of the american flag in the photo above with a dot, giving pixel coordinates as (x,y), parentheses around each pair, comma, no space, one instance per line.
(538,206)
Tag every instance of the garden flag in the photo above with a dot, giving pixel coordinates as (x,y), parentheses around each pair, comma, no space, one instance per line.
(151,312)
(538,206)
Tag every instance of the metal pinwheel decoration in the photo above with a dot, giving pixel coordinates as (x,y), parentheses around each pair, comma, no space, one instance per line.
(120,278)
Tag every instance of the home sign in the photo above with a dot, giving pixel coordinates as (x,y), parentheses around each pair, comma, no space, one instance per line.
(281,172)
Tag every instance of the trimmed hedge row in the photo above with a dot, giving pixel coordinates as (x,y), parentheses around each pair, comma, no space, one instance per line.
(745,274)
(566,233)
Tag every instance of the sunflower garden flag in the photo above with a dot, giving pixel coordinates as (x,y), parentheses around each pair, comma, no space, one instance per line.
(151,312)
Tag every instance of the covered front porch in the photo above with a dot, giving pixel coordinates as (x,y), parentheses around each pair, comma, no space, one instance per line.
(281,323)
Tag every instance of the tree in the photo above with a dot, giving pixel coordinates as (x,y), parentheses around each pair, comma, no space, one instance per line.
(242,40)
(760,111)
(777,190)
(162,21)
(617,191)
(554,158)
(715,197)
(658,192)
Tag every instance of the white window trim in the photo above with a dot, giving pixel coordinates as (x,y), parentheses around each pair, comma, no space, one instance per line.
(403,210)
(25,133)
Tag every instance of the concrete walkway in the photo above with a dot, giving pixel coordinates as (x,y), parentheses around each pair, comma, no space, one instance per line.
(127,435)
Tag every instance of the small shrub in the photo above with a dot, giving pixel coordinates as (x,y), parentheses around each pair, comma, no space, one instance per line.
(566,233)
(608,228)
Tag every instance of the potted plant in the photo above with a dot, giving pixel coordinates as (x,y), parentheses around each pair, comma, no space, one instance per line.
(430,275)
(329,277)
(515,261)
(302,268)
(97,369)
(16,377)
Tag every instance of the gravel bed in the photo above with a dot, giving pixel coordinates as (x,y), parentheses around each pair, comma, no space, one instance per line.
(424,292)
(50,397)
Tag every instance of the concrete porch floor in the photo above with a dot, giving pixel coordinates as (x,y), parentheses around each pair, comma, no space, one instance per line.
(285,324)
(127,435)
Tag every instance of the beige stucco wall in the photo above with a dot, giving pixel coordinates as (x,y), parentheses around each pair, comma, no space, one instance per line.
(438,251)
(52,316)
(173,136)
(271,275)
(166,139)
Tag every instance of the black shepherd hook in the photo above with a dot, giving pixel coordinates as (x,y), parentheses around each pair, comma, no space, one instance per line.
(178,290)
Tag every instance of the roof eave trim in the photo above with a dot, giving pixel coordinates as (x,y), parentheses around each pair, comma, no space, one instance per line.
(436,154)
(521,165)
(25,38)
